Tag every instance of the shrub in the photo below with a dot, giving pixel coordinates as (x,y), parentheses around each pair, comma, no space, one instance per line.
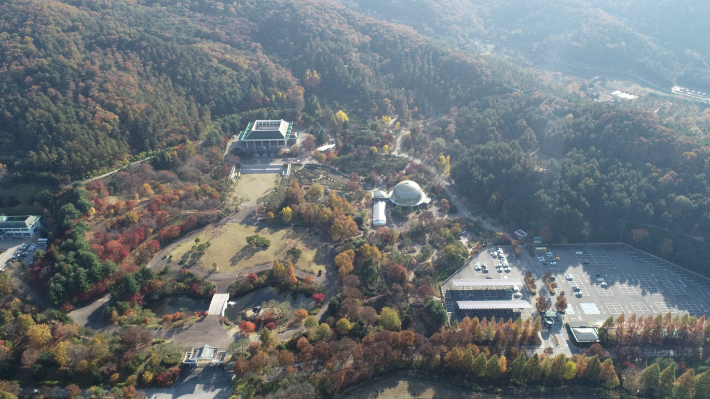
(258,241)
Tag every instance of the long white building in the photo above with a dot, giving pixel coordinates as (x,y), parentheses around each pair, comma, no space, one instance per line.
(378,213)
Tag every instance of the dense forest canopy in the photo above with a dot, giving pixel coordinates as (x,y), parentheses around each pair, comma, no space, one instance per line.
(87,84)
(660,40)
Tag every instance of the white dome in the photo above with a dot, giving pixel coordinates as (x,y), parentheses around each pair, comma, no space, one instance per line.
(408,193)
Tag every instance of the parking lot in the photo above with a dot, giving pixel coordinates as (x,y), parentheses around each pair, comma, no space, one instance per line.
(616,278)
(13,251)
(516,270)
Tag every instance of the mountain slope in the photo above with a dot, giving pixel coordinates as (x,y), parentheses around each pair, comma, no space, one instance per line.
(662,41)
(85,84)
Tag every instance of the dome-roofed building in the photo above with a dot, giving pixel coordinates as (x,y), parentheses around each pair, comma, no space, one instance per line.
(408,193)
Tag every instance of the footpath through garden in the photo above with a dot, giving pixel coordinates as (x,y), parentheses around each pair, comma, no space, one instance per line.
(209,330)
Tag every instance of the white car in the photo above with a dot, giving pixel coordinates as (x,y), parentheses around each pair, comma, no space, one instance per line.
(505,276)
(477,268)
(516,289)
(569,277)
(578,252)
(604,284)
(517,295)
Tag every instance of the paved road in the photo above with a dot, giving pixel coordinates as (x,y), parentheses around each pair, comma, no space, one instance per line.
(195,383)
(441,181)
(113,171)
(92,315)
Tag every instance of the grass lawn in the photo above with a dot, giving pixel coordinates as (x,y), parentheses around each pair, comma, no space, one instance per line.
(251,187)
(394,388)
(230,252)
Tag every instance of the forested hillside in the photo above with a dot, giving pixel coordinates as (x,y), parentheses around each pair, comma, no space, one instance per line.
(662,41)
(87,84)
(83,85)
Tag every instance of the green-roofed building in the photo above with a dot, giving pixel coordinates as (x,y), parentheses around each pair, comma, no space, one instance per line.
(267,135)
(19,226)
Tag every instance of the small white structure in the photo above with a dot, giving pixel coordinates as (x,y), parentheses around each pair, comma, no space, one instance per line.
(520,235)
(218,304)
(625,96)
(378,214)
(205,355)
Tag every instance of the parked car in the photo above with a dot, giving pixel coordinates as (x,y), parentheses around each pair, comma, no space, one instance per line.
(569,277)
(477,268)
(575,287)
(604,284)
(517,295)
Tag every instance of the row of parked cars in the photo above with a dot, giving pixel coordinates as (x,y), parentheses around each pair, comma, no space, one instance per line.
(24,250)
(548,258)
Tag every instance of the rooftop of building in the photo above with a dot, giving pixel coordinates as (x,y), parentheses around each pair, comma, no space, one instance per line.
(267,130)
(17,222)
(408,192)
(585,334)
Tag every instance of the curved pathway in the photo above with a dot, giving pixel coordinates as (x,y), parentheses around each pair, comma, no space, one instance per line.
(210,329)
(441,181)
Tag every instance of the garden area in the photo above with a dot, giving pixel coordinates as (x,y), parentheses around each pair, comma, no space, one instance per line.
(229,251)
(324,175)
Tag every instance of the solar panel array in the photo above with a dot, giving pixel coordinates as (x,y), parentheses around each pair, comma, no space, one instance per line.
(472,282)
(493,305)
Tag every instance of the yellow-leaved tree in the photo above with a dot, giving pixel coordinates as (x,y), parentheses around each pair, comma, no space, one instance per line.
(286,214)
(341,117)
(60,354)
(39,335)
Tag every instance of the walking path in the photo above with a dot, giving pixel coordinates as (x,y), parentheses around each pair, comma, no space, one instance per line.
(209,330)
(441,181)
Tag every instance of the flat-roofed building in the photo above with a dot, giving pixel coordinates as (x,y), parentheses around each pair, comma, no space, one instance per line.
(513,305)
(19,226)
(484,297)
(267,135)
(585,335)
(484,284)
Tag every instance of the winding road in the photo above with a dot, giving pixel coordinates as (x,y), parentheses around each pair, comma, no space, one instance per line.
(441,181)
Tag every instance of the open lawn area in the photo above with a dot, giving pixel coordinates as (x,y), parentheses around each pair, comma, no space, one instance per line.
(229,251)
(394,388)
(251,187)
(403,387)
